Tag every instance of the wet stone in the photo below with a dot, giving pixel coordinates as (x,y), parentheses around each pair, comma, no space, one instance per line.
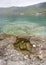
(23,45)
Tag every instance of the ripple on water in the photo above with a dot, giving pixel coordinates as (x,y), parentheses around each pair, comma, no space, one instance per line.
(24,29)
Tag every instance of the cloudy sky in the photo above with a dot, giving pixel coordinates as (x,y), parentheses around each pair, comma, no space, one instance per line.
(9,3)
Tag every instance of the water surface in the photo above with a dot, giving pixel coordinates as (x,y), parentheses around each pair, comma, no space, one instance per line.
(23,25)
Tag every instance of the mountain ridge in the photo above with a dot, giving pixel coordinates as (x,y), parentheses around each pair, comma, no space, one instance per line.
(28,10)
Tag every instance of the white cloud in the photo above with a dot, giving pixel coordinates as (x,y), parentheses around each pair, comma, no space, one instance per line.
(8,3)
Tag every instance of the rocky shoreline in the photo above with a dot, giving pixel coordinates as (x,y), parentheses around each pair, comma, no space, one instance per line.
(22,50)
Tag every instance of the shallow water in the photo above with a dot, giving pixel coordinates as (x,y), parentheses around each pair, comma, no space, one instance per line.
(23,25)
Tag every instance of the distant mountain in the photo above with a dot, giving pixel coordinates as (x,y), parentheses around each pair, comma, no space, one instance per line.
(37,9)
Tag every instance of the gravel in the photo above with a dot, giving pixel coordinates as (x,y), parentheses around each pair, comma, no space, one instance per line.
(10,56)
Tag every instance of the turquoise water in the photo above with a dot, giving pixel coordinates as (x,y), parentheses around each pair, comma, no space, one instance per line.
(23,25)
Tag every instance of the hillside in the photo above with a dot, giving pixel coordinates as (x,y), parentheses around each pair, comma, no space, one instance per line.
(37,9)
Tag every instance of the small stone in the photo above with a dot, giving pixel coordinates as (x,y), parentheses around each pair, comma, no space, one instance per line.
(26,57)
(2,62)
(34,45)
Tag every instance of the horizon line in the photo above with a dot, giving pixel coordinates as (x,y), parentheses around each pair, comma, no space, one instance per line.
(21,6)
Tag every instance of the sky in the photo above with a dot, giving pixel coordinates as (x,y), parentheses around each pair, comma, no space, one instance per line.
(9,3)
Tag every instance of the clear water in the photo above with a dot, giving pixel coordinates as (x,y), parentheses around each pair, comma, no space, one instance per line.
(23,25)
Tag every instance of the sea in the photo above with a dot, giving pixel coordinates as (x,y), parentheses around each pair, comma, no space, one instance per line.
(23,25)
